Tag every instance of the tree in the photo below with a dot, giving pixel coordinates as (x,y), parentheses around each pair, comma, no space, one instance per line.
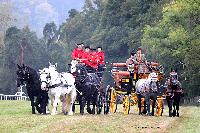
(72,13)
(174,41)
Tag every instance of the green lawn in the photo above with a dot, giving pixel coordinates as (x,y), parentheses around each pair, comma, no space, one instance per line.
(15,116)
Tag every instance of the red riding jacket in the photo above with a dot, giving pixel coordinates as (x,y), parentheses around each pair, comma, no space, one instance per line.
(90,59)
(77,54)
(100,57)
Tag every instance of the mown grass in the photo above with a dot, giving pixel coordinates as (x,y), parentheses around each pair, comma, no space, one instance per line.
(15,116)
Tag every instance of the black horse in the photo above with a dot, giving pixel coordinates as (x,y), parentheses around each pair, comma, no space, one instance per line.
(29,77)
(173,93)
(88,85)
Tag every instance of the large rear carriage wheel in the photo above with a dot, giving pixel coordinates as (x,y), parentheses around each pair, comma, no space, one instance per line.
(113,100)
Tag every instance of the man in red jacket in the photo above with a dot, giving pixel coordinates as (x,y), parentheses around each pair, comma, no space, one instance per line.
(78,52)
(100,59)
(89,59)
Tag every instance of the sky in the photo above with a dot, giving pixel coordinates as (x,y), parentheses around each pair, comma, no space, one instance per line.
(36,13)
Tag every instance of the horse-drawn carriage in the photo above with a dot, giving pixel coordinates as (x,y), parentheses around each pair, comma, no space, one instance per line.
(90,88)
(125,85)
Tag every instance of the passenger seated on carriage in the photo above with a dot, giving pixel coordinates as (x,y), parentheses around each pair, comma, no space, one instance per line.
(89,60)
(100,59)
(78,52)
(130,62)
(141,61)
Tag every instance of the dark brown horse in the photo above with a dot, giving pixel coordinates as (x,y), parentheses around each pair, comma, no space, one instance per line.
(174,92)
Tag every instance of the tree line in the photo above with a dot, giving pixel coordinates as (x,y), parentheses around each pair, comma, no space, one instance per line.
(167,30)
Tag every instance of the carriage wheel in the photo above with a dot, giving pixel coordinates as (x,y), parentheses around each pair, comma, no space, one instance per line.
(107,100)
(113,101)
(126,104)
(99,104)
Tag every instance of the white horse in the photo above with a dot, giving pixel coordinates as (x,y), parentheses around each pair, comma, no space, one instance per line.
(147,88)
(73,66)
(60,88)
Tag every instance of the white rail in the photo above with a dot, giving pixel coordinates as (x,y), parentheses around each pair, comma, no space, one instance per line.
(12,97)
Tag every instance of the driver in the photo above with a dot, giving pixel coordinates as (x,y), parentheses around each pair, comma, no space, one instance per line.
(78,52)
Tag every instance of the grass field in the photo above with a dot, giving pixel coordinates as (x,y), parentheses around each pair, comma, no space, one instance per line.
(15,116)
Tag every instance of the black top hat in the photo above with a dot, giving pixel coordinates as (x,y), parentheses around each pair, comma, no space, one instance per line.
(93,49)
(87,47)
(133,53)
(80,43)
(99,47)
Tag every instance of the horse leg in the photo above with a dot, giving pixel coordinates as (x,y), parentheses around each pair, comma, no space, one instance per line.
(89,110)
(169,102)
(44,101)
(153,103)
(94,100)
(71,102)
(55,104)
(147,100)
(139,103)
(32,105)
(82,104)
(64,104)
(37,102)
(144,104)
(174,108)
(177,106)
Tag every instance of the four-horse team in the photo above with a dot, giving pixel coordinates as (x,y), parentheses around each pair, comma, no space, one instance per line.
(83,83)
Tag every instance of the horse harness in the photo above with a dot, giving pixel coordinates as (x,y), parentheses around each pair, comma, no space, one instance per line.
(61,84)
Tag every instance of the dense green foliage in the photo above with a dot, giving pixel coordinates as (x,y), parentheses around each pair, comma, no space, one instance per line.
(168,31)
(175,41)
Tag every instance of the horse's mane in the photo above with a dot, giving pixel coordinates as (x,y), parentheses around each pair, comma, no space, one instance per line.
(34,76)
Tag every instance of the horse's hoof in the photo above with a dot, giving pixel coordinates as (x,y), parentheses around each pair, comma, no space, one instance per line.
(177,114)
(70,113)
(149,114)
(170,114)
(53,113)
(174,113)
(47,112)
(43,113)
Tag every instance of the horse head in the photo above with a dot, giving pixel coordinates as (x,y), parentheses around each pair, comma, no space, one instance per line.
(73,66)
(153,79)
(44,78)
(173,78)
(55,76)
(23,75)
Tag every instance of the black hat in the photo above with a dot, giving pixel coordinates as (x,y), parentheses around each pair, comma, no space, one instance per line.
(87,47)
(99,47)
(80,43)
(133,53)
(93,49)
(140,48)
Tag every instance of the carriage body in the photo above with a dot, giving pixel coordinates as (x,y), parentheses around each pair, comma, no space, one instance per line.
(125,81)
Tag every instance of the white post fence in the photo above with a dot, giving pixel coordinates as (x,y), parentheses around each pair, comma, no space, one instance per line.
(12,97)
(17,96)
